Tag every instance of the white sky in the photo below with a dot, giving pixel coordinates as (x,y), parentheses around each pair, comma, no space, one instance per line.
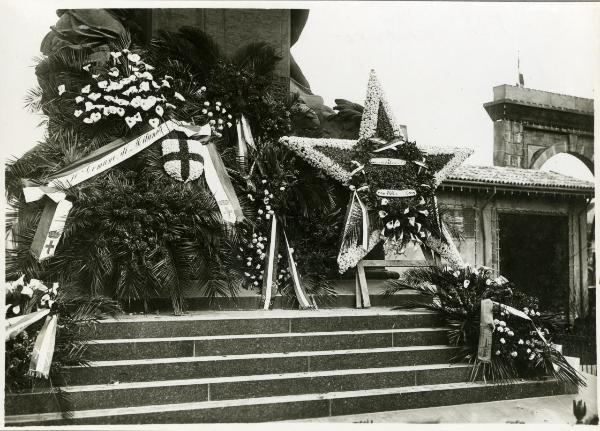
(438,62)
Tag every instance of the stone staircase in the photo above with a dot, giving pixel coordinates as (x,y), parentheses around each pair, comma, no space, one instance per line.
(250,366)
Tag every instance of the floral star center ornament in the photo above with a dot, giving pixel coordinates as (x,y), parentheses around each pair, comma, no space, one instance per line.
(392,183)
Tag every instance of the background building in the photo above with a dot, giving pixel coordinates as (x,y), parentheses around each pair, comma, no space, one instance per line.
(530,225)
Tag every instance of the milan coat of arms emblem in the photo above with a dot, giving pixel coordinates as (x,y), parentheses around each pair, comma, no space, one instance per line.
(182,159)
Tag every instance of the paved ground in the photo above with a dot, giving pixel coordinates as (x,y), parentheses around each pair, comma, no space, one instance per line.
(552,410)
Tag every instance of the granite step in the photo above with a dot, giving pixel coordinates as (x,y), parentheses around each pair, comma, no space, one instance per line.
(177,368)
(168,347)
(222,388)
(341,300)
(212,323)
(313,405)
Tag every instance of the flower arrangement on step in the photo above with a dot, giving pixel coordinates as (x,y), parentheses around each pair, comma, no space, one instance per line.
(147,235)
(46,329)
(255,240)
(392,181)
(279,185)
(521,334)
(143,233)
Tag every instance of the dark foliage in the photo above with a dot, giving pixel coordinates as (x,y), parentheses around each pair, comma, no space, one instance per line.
(518,351)
(135,233)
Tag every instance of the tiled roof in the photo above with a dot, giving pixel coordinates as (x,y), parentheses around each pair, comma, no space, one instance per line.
(526,178)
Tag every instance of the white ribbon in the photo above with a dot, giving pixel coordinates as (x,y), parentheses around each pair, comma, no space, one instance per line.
(116,152)
(270,268)
(486,328)
(391,145)
(220,185)
(300,293)
(43,349)
(245,140)
(53,219)
(15,325)
(355,200)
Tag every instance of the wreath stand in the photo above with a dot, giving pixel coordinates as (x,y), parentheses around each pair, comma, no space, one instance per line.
(362,289)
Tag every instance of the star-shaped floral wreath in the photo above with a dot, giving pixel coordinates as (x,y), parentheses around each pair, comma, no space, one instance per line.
(395,178)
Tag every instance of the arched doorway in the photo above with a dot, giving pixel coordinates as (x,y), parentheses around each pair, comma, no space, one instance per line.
(583,153)
(573,165)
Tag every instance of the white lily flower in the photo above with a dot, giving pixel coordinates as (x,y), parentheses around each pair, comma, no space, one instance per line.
(134,58)
(27,291)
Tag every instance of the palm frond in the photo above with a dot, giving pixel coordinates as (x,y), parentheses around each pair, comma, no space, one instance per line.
(258,57)
(557,366)
(189,46)
(33,99)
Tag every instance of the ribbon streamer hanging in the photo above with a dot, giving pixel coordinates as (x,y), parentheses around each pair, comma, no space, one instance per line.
(244,140)
(52,221)
(15,325)
(355,207)
(50,229)
(271,270)
(486,328)
(43,349)
(303,302)
(220,185)
(271,265)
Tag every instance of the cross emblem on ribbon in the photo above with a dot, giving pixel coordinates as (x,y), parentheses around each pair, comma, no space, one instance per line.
(182,158)
(49,247)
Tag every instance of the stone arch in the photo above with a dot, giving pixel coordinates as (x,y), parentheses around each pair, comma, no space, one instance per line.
(585,153)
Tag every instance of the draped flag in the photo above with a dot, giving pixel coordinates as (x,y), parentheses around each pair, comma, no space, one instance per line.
(55,213)
(271,270)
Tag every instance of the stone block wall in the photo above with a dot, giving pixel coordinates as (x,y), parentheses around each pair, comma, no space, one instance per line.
(234,28)
(509,149)
(519,145)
